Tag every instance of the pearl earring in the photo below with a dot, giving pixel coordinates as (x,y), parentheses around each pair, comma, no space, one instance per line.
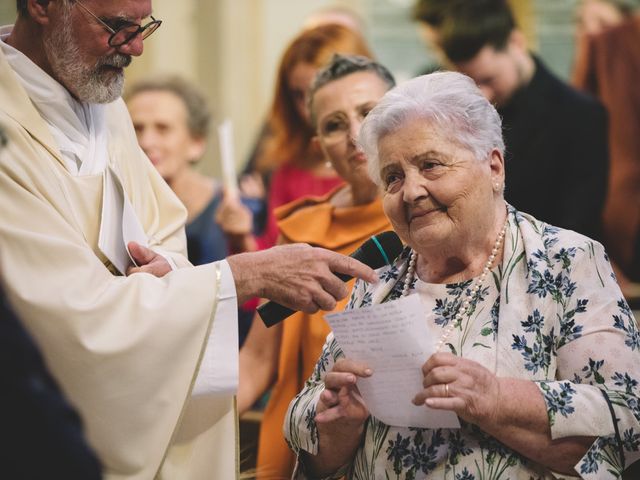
(496,186)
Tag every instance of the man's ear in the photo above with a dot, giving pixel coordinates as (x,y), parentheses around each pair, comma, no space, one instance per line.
(39,10)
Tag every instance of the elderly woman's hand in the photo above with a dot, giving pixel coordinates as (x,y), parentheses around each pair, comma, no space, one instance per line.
(340,418)
(461,385)
(341,401)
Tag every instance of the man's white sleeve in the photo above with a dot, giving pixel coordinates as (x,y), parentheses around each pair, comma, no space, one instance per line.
(218,373)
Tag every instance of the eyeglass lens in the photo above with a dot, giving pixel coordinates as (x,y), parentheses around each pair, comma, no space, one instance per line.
(127,33)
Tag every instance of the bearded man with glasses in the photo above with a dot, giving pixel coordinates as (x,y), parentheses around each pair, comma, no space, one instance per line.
(93,254)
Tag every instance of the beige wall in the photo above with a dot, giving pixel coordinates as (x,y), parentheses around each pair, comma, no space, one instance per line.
(525,17)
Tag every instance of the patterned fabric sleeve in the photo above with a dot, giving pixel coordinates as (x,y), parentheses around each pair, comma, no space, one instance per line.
(300,429)
(598,353)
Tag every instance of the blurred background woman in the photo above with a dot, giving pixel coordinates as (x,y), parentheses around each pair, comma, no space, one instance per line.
(608,67)
(339,100)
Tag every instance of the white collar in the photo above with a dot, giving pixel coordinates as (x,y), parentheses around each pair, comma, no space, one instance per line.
(79,128)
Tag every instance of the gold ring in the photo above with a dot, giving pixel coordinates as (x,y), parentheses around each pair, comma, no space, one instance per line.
(446,389)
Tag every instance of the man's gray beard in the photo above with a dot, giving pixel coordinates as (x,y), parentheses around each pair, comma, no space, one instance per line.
(88,84)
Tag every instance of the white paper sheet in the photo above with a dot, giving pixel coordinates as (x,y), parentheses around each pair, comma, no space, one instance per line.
(119,224)
(227,159)
(391,338)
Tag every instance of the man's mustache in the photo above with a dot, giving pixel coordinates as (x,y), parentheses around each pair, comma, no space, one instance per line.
(118,60)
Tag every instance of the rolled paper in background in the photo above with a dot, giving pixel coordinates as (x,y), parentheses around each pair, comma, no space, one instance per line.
(225,139)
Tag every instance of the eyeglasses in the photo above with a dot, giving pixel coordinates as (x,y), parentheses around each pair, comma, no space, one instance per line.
(335,130)
(335,136)
(127,32)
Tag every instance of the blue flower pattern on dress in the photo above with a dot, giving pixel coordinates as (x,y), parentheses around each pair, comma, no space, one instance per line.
(538,355)
(465,475)
(531,320)
(390,274)
(624,380)
(559,399)
(592,371)
(627,324)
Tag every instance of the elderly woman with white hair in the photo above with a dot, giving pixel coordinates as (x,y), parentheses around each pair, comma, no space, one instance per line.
(537,351)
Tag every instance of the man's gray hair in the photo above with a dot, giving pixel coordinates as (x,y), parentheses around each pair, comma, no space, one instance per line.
(449,101)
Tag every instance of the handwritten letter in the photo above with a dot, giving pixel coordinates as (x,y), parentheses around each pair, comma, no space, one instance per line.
(391,338)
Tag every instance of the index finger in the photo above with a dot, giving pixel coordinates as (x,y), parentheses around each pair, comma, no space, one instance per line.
(351,267)
(346,365)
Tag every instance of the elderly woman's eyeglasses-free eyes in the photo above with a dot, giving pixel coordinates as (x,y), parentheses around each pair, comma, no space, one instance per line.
(126,33)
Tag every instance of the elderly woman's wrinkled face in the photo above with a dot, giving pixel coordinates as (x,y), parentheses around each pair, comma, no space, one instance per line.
(339,108)
(436,193)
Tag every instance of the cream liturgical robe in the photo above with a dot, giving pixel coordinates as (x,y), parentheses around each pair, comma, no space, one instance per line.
(126,350)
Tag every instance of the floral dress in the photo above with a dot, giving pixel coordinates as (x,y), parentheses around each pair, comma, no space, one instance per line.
(551,313)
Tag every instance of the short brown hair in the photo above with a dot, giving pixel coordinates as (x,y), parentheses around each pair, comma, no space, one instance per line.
(431,12)
(465,27)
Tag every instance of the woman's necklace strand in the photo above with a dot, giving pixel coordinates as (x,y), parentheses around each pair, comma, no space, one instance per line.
(475,288)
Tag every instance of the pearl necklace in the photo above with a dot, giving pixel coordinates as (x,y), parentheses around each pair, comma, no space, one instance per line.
(466,304)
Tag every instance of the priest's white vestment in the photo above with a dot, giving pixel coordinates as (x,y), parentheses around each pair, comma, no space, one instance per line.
(126,350)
